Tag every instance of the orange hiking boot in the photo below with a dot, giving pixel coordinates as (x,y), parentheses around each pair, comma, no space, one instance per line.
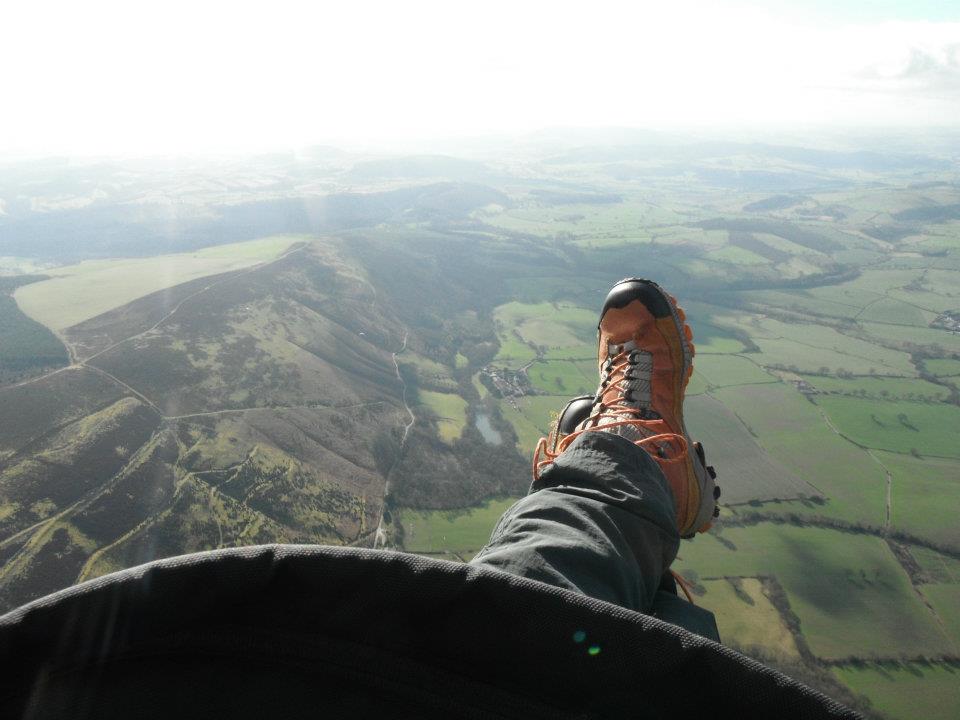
(645,359)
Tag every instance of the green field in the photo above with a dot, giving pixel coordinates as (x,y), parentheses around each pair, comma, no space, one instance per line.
(938,567)
(775,448)
(811,347)
(915,335)
(560,377)
(793,432)
(869,286)
(928,428)
(554,327)
(531,418)
(746,471)
(462,532)
(430,373)
(724,370)
(711,339)
(450,411)
(746,617)
(880,387)
(549,324)
(807,301)
(897,312)
(78,292)
(574,352)
(850,593)
(943,282)
(618,222)
(697,384)
(735,256)
(907,692)
(945,600)
(943,368)
(930,301)
(925,495)
(479,386)
(514,351)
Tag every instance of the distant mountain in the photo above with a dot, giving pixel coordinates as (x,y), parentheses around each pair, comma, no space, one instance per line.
(417,167)
(694,152)
(144,229)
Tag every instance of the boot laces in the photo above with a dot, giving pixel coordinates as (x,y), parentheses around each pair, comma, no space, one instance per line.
(626,377)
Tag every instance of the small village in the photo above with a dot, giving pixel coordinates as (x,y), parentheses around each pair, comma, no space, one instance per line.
(949,321)
(508,384)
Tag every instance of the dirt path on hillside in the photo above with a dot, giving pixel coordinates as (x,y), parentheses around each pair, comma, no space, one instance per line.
(190,297)
(71,351)
(379,536)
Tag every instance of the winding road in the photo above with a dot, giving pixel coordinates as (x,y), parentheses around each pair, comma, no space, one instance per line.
(379,535)
(76,363)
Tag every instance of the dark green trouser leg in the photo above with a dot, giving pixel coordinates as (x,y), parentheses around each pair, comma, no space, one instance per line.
(600,521)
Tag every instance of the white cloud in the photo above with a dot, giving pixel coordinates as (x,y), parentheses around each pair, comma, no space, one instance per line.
(919,70)
(121,76)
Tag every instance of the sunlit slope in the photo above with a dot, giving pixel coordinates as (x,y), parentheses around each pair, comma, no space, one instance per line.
(260,411)
(269,404)
(79,292)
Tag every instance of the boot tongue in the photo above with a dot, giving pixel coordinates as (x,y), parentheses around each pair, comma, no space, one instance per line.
(614,349)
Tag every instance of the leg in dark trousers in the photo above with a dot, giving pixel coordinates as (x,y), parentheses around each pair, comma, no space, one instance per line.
(600,521)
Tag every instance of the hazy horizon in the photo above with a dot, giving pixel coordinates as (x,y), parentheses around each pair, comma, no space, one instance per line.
(943,141)
(110,79)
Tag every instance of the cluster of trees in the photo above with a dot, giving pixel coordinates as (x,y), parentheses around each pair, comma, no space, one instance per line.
(919,358)
(432,475)
(747,519)
(886,663)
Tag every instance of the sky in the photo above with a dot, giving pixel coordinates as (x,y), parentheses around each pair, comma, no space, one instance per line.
(148,77)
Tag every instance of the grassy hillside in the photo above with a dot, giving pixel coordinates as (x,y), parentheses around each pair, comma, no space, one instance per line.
(253,413)
(905,690)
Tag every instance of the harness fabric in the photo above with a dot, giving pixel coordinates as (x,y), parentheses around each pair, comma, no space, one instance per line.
(293,630)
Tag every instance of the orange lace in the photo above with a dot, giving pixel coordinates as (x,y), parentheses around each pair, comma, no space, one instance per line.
(684,585)
(616,413)
(661,438)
